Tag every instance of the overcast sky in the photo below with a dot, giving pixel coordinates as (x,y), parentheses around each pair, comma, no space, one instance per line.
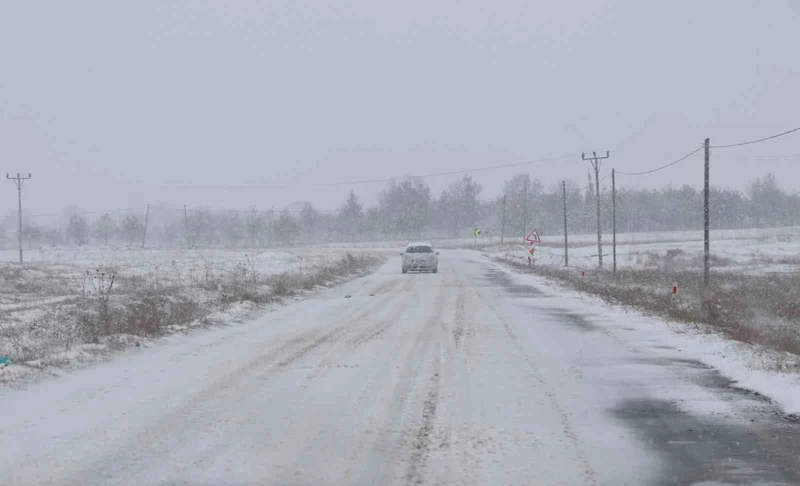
(115,104)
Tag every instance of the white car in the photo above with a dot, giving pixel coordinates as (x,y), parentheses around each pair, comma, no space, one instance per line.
(420,257)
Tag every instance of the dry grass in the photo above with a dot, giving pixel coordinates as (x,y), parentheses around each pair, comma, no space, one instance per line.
(106,307)
(760,310)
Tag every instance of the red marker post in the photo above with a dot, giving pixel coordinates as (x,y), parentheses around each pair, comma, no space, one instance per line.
(532,239)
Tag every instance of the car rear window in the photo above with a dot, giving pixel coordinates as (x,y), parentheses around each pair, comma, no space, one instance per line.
(419,249)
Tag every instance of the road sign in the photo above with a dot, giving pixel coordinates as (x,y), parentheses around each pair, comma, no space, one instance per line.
(477,232)
(533,237)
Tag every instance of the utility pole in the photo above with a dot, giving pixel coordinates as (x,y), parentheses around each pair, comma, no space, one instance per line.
(707,222)
(146,219)
(595,160)
(525,210)
(18,182)
(270,236)
(566,238)
(503,226)
(614,215)
(186,223)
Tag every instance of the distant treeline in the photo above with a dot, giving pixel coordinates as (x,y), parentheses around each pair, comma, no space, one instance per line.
(408,209)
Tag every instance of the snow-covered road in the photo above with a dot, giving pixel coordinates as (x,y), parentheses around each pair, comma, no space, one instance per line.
(461,377)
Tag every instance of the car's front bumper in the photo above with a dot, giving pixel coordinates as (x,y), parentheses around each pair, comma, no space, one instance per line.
(420,267)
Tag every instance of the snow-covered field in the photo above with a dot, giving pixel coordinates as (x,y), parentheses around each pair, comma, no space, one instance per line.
(751,251)
(51,275)
(144,260)
(42,302)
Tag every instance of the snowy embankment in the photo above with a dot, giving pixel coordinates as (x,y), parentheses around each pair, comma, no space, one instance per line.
(750,366)
(67,307)
(745,323)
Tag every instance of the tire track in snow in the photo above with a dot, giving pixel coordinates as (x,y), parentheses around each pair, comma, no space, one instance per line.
(159,434)
(461,315)
(401,304)
(365,335)
(435,435)
(372,391)
(400,417)
(567,429)
(424,434)
(423,437)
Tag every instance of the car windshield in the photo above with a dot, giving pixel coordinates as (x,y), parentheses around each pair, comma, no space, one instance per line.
(419,249)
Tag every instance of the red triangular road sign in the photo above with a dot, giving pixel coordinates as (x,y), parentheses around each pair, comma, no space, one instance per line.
(533,237)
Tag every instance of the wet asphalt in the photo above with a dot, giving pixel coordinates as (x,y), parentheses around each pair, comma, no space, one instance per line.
(756,444)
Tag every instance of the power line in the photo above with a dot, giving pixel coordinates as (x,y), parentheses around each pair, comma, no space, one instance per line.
(756,141)
(41,215)
(159,207)
(439,174)
(712,146)
(776,157)
(373,181)
(663,166)
(156,209)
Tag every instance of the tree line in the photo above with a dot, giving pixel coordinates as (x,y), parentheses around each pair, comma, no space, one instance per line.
(408,209)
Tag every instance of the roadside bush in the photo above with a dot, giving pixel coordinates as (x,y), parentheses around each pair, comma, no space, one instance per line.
(288,283)
(243,283)
(150,313)
(94,312)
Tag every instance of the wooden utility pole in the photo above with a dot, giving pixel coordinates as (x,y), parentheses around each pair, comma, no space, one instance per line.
(614,216)
(146,219)
(269,225)
(707,221)
(186,223)
(566,238)
(18,180)
(525,210)
(595,161)
(503,226)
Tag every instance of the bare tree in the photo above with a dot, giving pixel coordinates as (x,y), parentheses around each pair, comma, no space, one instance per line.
(255,224)
(131,229)
(78,230)
(105,228)
(406,207)
(351,216)
(308,220)
(32,233)
(286,227)
(53,236)
(234,228)
(459,204)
